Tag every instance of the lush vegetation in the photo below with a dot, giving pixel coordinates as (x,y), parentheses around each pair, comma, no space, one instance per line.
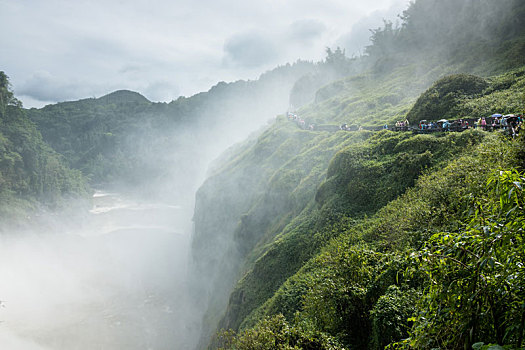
(445,255)
(388,239)
(475,287)
(277,333)
(458,96)
(312,239)
(31,173)
(443,99)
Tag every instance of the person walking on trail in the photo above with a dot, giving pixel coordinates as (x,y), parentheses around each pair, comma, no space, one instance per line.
(504,123)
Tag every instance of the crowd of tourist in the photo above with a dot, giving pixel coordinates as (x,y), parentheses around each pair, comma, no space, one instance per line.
(300,121)
(510,123)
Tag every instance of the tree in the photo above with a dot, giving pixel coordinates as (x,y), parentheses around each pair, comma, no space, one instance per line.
(476,290)
(276,333)
(383,40)
(6,95)
(337,62)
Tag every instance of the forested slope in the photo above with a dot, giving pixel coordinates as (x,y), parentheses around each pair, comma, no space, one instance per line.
(31,174)
(363,239)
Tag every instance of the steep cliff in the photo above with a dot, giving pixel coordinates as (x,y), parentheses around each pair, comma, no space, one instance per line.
(326,227)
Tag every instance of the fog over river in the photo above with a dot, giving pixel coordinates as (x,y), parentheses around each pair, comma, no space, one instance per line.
(113,280)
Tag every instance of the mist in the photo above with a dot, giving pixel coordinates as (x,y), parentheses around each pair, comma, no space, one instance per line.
(117,272)
(124,272)
(114,282)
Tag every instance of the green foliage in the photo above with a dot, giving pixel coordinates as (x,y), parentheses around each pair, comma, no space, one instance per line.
(284,229)
(363,179)
(7,97)
(357,310)
(477,274)
(462,96)
(342,294)
(277,334)
(95,136)
(352,288)
(366,100)
(30,171)
(442,100)
(467,37)
(390,316)
(337,300)
(504,95)
(440,198)
(382,195)
(383,41)
(288,299)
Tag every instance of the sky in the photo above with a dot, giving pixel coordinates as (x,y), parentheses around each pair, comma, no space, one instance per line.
(63,50)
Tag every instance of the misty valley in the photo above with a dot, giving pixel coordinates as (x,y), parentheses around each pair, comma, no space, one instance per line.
(113,280)
(356,202)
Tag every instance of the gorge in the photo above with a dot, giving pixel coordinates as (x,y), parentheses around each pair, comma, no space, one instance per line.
(215,221)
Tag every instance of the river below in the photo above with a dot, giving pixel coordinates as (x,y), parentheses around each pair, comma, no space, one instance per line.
(115,280)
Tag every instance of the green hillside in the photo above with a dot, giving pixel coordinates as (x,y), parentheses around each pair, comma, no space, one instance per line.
(32,175)
(316,239)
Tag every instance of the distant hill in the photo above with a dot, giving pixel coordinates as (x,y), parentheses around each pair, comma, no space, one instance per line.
(123,96)
(124,138)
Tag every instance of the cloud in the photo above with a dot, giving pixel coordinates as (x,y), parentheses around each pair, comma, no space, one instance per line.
(10,340)
(358,37)
(44,86)
(161,90)
(306,30)
(139,44)
(249,50)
